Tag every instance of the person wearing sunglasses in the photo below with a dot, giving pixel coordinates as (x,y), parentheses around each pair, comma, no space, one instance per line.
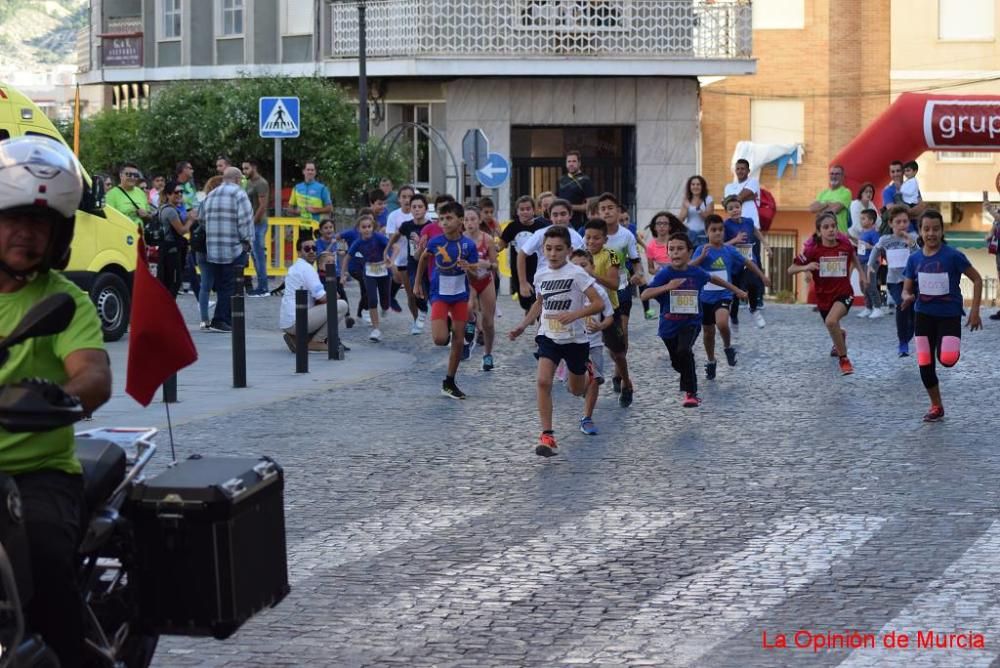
(173,250)
(127,197)
(302,275)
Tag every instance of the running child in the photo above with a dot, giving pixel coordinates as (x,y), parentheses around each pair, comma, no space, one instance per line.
(660,228)
(606,269)
(896,248)
(409,233)
(831,259)
(560,290)
(482,296)
(369,249)
(677,287)
(514,234)
(867,240)
(935,272)
(451,255)
(393,222)
(327,253)
(748,240)
(723,261)
(594,326)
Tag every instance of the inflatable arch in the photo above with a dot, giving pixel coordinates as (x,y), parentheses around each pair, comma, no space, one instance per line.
(917,122)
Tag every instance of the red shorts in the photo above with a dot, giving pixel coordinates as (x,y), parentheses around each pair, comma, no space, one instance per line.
(457,311)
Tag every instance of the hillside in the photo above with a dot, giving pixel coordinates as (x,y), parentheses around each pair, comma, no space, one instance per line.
(38,33)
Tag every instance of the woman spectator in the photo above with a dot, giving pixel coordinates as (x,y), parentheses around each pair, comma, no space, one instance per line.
(173,250)
(697,205)
(864,200)
(993,238)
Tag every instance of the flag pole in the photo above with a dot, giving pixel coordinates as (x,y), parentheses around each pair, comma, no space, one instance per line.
(170,434)
(76,122)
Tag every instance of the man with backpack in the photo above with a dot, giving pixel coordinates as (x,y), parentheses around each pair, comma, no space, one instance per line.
(166,227)
(127,197)
(576,188)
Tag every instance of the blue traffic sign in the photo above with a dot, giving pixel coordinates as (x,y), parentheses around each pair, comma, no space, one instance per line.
(495,172)
(279,117)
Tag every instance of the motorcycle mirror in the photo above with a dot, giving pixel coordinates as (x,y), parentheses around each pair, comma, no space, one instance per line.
(49,316)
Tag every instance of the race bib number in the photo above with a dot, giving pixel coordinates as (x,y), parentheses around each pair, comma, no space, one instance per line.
(833,267)
(414,248)
(684,302)
(556,330)
(897,257)
(451,285)
(933,284)
(718,273)
(746,250)
(376,270)
(863,247)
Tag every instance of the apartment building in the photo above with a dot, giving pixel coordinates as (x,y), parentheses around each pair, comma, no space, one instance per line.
(615,79)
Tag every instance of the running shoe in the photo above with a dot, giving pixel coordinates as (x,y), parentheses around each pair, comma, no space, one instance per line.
(730,355)
(376,335)
(487,362)
(367,317)
(394,305)
(466,351)
(416,329)
(876,314)
(758,319)
(616,384)
(203,326)
(651,314)
(587,426)
(710,370)
(846,368)
(691,400)
(904,349)
(995,316)
(470,331)
(219,327)
(866,313)
(289,341)
(546,445)
(421,318)
(451,390)
(349,322)
(935,414)
(625,398)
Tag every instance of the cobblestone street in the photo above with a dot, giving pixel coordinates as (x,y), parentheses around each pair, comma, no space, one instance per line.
(424,531)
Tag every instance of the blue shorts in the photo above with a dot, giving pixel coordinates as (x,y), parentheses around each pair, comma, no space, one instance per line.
(575,354)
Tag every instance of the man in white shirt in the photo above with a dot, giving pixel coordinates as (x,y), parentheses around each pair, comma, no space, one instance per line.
(302,275)
(747,190)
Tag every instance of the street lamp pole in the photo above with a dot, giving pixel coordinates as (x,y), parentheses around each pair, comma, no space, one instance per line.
(362,75)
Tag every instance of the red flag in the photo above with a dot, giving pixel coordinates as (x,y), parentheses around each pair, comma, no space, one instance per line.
(159,343)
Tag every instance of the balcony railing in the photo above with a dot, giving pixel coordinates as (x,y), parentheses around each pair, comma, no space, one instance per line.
(664,29)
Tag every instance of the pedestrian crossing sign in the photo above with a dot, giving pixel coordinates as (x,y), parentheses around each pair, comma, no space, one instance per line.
(279,117)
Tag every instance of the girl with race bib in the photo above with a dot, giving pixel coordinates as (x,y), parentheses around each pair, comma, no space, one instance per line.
(896,248)
(830,259)
(482,296)
(677,288)
(370,250)
(931,285)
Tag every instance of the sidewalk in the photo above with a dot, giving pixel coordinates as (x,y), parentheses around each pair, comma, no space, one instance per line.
(205,389)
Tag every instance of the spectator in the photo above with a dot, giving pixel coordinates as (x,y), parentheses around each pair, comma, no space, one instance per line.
(258,191)
(228,219)
(221,165)
(154,193)
(108,183)
(197,254)
(391,200)
(127,197)
(993,238)
(866,193)
(892,194)
(545,201)
(184,175)
(746,190)
(173,250)
(310,200)
(836,199)
(302,275)
(576,188)
(697,205)
(910,190)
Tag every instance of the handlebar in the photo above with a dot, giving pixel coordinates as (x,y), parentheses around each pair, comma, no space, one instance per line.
(37,405)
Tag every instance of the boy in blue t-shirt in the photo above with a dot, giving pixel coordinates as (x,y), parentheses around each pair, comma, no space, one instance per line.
(677,288)
(725,262)
(932,279)
(450,254)
(866,242)
(747,239)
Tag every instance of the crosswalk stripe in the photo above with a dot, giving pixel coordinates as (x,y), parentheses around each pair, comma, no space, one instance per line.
(687,619)
(963,599)
(372,536)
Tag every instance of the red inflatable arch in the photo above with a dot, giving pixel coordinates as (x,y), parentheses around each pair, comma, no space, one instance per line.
(917,122)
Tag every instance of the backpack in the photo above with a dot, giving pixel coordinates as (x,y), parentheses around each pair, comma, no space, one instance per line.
(766,209)
(154,231)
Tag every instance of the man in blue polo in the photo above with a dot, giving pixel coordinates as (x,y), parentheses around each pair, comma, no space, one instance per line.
(310,200)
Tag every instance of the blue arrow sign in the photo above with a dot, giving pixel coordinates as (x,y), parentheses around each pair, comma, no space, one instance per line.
(279,117)
(495,172)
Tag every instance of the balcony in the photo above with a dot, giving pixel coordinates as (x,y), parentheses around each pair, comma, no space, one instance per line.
(544,37)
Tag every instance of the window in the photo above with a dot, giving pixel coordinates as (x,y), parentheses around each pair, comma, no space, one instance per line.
(297,17)
(170,19)
(779,14)
(777,121)
(969,19)
(229,18)
(964,156)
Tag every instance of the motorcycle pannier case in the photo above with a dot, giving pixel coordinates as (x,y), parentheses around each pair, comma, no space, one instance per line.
(210,541)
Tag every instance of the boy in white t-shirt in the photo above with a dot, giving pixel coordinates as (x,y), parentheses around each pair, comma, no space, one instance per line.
(560,293)
(910,190)
(594,325)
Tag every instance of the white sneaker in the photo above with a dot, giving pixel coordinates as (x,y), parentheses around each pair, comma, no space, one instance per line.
(204,326)
(876,313)
(416,329)
(375,335)
(758,318)
(421,318)
(367,317)
(866,313)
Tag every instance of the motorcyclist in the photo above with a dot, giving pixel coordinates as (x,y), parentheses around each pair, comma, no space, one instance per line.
(40,190)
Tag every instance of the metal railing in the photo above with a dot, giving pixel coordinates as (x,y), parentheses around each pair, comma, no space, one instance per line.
(607,28)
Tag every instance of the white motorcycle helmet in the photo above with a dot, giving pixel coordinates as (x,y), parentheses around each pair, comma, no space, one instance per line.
(41,177)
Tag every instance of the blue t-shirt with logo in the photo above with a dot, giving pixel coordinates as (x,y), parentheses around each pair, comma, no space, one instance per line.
(745,225)
(870,237)
(723,262)
(366,251)
(680,307)
(448,282)
(936,280)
